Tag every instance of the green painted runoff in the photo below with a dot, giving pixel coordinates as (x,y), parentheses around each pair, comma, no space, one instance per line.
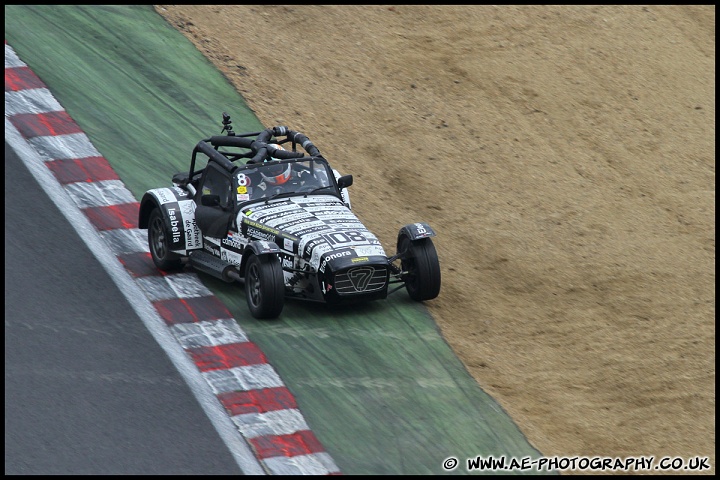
(377,383)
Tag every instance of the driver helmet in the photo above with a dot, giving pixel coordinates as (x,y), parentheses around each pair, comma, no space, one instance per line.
(276,174)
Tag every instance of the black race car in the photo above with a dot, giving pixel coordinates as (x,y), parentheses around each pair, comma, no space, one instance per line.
(279,221)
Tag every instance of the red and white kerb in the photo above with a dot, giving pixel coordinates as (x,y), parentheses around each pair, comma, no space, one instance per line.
(237,371)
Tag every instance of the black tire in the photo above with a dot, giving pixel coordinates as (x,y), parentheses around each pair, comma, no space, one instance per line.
(264,286)
(422,267)
(159,243)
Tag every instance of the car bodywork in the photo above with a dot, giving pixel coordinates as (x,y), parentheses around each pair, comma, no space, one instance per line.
(299,239)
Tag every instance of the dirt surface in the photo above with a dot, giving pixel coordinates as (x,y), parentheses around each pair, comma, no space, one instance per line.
(565,157)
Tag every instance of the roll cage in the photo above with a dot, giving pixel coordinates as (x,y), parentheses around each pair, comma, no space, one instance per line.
(259,150)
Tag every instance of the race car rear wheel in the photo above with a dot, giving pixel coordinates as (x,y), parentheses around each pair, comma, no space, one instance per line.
(422,268)
(158,241)
(264,286)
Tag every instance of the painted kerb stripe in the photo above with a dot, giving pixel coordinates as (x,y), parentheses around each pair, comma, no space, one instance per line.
(245,385)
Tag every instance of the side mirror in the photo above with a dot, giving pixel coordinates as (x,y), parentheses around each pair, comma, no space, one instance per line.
(345,181)
(210,200)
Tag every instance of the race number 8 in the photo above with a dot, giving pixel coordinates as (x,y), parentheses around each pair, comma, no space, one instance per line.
(243,180)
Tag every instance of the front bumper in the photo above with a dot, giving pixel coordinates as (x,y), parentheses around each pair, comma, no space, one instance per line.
(355,283)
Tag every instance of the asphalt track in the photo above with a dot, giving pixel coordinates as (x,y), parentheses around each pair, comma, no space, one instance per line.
(378,385)
(88,390)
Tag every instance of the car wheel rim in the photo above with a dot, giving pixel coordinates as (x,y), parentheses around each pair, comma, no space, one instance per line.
(411,271)
(408,263)
(158,243)
(409,267)
(254,285)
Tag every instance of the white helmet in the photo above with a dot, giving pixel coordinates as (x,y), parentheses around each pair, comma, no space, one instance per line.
(277,174)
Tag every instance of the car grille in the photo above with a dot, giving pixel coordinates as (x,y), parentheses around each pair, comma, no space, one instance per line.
(362,279)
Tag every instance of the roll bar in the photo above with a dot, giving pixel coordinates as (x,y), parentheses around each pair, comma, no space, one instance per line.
(260,147)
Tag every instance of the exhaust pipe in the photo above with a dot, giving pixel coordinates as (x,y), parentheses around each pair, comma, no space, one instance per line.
(212,265)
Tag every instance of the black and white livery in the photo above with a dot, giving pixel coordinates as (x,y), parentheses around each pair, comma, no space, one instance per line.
(279,221)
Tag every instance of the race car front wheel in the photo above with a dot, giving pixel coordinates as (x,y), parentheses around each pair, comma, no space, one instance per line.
(264,286)
(158,241)
(421,268)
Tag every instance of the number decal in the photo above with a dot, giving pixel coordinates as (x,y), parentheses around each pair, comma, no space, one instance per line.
(243,181)
(338,238)
(360,277)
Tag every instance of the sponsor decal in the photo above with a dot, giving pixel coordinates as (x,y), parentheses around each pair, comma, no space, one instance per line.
(303,223)
(233,241)
(266,246)
(280,220)
(335,206)
(190,228)
(333,256)
(263,231)
(322,202)
(164,195)
(335,215)
(232,257)
(255,233)
(360,277)
(289,237)
(260,226)
(287,262)
(288,244)
(369,250)
(342,223)
(187,207)
(179,192)
(212,245)
(317,252)
(360,259)
(242,189)
(270,208)
(421,230)
(339,212)
(192,233)
(241,197)
(175,232)
(310,229)
(312,244)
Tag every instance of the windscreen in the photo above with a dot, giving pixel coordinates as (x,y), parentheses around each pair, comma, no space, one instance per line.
(284,178)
